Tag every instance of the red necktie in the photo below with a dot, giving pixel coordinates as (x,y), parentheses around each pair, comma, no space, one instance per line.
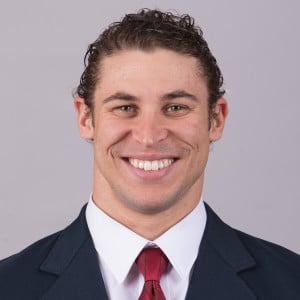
(152,263)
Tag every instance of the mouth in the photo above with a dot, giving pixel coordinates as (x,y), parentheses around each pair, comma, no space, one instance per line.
(151,165)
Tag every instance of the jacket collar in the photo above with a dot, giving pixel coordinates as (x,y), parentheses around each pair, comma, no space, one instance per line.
(221,258)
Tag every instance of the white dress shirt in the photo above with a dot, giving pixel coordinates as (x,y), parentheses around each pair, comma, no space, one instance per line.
(118,247)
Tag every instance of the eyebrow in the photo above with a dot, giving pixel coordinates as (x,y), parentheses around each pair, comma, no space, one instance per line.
(120,96)
(179,94)
(168,96)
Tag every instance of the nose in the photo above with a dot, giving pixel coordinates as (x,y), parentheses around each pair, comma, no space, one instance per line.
(150,129)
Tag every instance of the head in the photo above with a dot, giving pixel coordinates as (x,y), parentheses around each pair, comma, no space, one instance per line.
(149,91)
(148,30)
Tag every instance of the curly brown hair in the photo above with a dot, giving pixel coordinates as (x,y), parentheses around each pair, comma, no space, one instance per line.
(147,30)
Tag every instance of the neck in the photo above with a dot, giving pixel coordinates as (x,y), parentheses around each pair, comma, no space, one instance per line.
(148,225)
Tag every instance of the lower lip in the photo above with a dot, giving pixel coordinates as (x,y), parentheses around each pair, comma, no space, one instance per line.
(149,175)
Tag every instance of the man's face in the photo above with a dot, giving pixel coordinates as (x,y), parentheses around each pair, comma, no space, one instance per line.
(150,130)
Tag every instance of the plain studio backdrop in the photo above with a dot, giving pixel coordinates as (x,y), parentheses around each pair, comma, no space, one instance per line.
(252,178)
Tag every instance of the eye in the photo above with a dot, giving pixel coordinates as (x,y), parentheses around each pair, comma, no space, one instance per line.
(176,110)
(126,108)
(174,107)
(125,111)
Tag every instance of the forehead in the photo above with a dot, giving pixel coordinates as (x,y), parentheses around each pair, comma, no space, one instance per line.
(147,71)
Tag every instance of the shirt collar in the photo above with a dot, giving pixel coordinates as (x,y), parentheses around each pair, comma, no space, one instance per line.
(118,246)
(181,242)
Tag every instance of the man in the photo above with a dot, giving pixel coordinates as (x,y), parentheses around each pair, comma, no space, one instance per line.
(151,101)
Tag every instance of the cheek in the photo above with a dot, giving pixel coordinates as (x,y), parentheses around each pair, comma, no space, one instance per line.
(108,132)
(195,134)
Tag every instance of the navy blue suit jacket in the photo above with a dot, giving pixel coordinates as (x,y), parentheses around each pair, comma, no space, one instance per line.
(230,266)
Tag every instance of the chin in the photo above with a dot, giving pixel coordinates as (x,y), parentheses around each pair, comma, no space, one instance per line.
(149,205)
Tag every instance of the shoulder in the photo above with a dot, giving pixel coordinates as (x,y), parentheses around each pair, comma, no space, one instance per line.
(31,254)
(277,269)
(271,255)
(27,274)
(36,253)
(268,269)
(261,250)
(18,272)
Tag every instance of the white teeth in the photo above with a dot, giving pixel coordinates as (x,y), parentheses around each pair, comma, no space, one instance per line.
(161,164)
(135,163)
(154,165)
(148,165)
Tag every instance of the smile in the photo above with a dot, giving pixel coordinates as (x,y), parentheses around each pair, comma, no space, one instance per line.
(148,165)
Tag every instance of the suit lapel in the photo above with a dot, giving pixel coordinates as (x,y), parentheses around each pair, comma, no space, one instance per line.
(221,258)
(74,260)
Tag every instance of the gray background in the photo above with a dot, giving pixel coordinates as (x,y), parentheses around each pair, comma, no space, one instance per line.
(46,169)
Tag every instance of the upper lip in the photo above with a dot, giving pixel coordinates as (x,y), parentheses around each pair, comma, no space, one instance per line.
(150,156)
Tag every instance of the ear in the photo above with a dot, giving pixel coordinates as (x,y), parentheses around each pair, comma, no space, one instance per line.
(84,119)
(218,118)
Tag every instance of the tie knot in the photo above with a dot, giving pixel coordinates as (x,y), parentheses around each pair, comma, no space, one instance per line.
(152,262)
